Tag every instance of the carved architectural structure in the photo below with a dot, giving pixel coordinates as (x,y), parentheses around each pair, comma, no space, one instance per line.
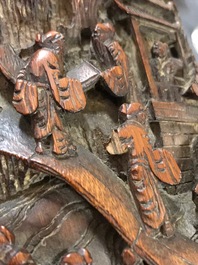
(169,82)
(81,205)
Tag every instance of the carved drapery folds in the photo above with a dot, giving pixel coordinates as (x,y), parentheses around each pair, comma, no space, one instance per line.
(112,57)
(144,164)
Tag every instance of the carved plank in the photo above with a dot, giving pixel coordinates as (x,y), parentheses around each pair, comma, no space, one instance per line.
(175,111)
(98,185)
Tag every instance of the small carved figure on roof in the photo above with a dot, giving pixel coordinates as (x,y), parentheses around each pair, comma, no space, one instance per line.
(144,163)
(112,59)
(164,66)
(42,89)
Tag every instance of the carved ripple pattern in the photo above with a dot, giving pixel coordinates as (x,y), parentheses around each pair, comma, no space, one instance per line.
(50,219)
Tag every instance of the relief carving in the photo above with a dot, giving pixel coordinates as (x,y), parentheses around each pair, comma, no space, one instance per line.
(164,66)
(90,202)
(144,165)
(112,57)
(41,89)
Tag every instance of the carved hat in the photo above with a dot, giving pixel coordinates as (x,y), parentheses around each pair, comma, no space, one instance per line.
(49,38)
(130,111)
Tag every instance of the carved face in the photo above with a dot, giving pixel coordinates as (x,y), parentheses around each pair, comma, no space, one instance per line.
(103,32)
(160,49)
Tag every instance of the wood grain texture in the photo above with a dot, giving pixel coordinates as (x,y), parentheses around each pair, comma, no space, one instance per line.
(22,20)
(10,62)
(15,176)
(98,184)
(174,111)
(134,10)
(111,198)
(41,219)
(142,49)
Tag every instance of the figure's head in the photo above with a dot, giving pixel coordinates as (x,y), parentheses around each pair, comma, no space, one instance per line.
(103,31)
(159,49)
(122,138)
(6,237)
(133,111)
(80,257)
(52,40)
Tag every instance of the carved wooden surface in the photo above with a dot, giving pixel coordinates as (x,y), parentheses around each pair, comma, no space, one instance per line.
(92,172)
(107,195)
(9,253)
(20,16)
(154,23)
(143,164)
(54,216)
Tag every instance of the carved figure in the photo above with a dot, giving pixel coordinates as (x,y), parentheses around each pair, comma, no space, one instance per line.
(41,90)
(144,163)
(87,174)
(164,66)
(111,55)
(9,254)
